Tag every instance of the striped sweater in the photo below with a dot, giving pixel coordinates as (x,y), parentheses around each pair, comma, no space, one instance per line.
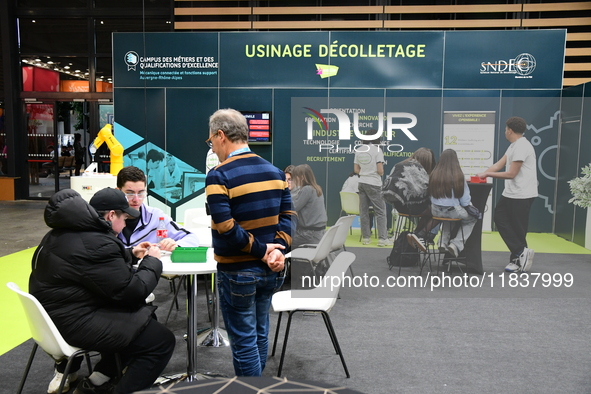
(250,206)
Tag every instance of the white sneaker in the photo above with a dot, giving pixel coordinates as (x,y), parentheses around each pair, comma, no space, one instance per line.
(529,259)
(453,250)
(366,241)
(54,385)
(385,242)
(150,298)
(512,267)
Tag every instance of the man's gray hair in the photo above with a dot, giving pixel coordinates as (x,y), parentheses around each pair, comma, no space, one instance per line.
(231,122)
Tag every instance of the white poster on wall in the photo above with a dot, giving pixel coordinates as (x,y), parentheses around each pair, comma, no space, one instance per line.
(472,135)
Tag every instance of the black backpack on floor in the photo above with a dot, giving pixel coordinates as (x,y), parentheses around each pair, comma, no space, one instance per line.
(402,254)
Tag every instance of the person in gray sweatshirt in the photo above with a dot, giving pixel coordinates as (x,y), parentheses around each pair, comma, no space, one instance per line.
(308,201)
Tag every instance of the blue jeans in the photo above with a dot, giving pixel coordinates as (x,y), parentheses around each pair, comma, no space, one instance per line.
(457,212)
(245,299)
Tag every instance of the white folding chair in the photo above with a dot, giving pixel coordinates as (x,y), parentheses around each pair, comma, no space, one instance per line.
(318,254)
(349,204)
(318,300)
(46,335)
(340,237)
(196,217)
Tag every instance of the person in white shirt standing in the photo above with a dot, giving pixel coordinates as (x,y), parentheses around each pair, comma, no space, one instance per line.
(521,189)
(369,164)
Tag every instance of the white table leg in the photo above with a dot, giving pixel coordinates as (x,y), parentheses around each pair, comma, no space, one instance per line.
(215,336)
(191,327)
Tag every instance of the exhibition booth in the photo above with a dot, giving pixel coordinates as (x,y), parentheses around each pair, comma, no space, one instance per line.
(311,96)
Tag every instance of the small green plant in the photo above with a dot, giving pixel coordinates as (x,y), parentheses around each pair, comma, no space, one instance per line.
(581,188)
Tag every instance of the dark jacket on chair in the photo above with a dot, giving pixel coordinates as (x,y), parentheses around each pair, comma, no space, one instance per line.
(82,274)
(407,187)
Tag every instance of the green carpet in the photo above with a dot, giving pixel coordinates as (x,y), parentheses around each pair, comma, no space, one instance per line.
(15,268)
(492,242)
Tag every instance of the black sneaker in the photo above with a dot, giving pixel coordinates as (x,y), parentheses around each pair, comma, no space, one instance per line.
(430,238)
(86,387)
(513,265)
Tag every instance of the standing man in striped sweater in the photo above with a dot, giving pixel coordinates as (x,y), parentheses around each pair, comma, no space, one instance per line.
(251,211)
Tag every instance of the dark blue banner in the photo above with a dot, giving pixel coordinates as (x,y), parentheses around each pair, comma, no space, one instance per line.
(524,59)
(165,59)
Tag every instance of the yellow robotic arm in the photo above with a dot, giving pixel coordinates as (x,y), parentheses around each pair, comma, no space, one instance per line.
(106,135)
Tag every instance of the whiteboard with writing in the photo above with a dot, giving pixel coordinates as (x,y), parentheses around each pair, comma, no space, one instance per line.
(472,135)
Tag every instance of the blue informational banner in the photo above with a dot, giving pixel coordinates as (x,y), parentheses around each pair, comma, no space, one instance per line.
(523,59)
(343,59)
(324,90)
(527,59)
(272,59)
(165,59)
(397,60)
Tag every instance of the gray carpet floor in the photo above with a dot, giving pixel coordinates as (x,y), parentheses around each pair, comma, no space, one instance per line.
(501,337)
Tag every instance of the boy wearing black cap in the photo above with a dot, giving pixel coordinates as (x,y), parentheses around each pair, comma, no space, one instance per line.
(82,275)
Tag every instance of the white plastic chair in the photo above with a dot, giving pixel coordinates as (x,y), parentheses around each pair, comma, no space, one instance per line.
(46,335)
(196,218)
(349,203)
(316,255)
(350,206)
(319,299)
(340,237)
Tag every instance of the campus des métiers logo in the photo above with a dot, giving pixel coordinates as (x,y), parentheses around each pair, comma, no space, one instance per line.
(521,66)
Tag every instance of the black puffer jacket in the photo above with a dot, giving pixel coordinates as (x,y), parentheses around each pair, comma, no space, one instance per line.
(82,275)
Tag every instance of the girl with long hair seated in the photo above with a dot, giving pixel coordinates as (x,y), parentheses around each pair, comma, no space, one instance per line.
(449,195)
(308,201)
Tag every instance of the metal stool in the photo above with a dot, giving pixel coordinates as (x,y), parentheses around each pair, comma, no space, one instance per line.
(450,223)
(408,223)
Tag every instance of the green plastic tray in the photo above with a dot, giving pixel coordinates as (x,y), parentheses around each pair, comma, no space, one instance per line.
(189,255)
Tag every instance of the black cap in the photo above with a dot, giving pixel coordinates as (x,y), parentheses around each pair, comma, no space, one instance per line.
(112,199)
